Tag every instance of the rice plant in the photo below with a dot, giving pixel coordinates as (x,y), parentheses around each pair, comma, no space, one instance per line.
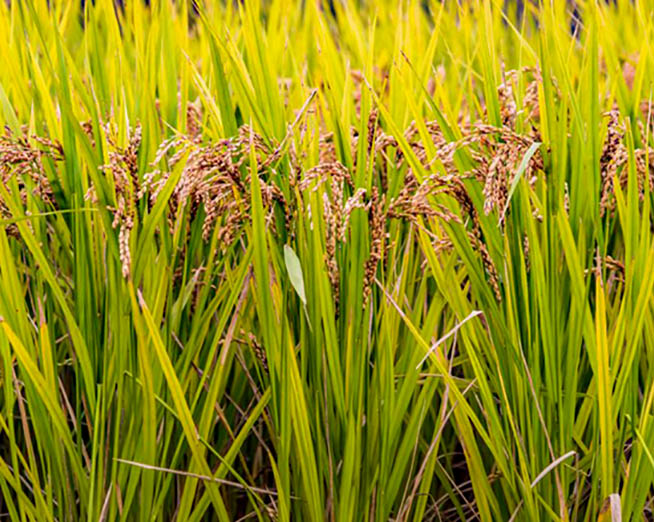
(326,261)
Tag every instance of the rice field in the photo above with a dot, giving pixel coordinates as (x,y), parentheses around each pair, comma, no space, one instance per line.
(326,261)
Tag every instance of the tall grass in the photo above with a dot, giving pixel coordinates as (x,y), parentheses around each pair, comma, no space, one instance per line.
(309,261)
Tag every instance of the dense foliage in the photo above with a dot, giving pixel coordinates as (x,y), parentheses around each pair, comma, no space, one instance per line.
(306,261)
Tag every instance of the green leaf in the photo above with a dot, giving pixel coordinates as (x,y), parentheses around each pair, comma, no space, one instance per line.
(295,272)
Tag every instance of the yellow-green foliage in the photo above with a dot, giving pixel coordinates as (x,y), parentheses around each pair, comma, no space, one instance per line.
(326,261)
